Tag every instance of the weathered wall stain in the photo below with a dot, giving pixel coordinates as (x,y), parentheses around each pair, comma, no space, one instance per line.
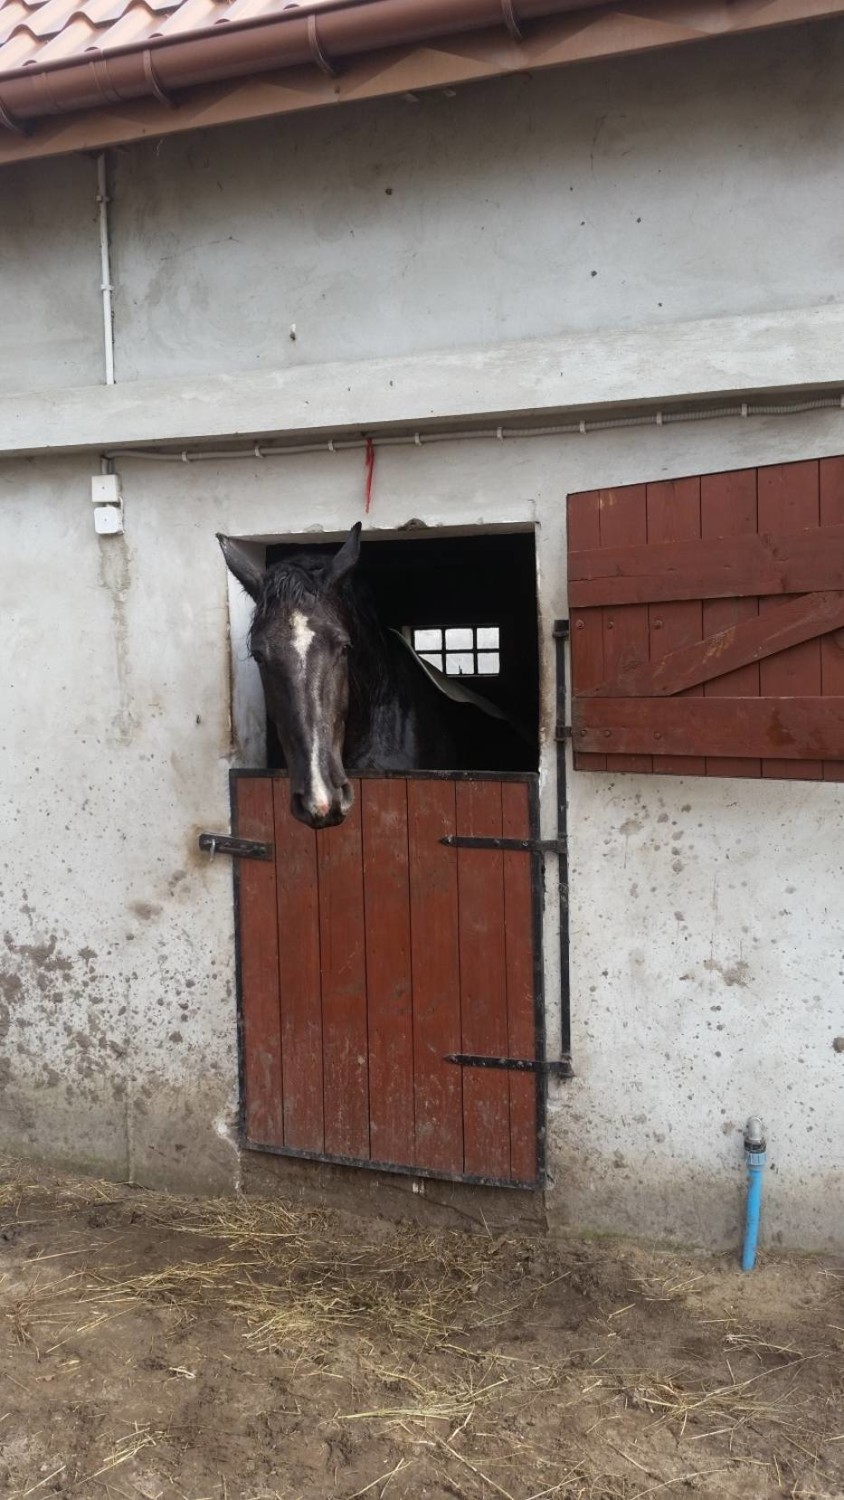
(115,577)
(732,974)
(146,910)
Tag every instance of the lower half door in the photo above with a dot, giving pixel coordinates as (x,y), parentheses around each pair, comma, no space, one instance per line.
(389,982)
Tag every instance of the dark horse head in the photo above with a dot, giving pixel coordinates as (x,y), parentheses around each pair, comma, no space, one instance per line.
(300,637)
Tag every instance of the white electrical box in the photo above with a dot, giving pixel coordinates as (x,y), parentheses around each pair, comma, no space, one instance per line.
(108,504)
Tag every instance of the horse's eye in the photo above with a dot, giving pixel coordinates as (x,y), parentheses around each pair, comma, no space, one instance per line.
(259,658)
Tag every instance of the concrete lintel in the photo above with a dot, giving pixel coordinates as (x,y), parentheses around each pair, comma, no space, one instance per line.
(667,362)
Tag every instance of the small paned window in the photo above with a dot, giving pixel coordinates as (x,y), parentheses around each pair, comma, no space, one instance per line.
(460,650)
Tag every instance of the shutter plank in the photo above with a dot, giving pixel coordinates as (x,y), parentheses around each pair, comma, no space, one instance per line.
(728,508)
(784,561)
(788,499)
(786,730)
(832,646)
(623,518)
(801,619)
(674,516)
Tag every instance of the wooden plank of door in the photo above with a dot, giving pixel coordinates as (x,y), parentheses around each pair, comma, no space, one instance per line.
(259,981)
(768,563)
(673,508)
(832,646)
(787,730)
(345,1048)
(624,520)
(789,500)
(521,1014)
(299,978)
(728,509)
(788,623)
(587,631)
(435,968)
(386,880)
(483,982)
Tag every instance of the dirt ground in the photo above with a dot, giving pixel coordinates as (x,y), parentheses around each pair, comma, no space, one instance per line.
(159,1347)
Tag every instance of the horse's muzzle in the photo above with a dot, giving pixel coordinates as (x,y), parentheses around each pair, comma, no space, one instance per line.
(323,814)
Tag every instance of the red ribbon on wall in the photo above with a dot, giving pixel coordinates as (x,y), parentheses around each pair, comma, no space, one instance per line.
(369,471)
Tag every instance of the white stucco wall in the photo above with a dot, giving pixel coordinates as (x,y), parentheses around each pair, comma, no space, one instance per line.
(117,1044)
(706,935)
(706,927)
(50,302)
(598,197)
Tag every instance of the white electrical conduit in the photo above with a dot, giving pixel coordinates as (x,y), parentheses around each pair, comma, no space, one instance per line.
(105,268)
(421,439)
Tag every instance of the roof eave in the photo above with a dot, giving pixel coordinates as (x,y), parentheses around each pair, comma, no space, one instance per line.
(221,77)
(327,37)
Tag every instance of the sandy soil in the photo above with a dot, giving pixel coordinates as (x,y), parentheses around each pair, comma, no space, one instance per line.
(244,1350)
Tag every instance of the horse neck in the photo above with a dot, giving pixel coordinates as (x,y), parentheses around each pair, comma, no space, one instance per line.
(380,693)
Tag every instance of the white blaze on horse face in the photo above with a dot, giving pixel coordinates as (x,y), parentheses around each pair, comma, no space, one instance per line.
(320,797)
(302,635)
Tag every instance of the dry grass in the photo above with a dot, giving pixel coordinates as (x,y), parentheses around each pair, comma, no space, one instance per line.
(427,1370)
(296,1281)
(292,1275)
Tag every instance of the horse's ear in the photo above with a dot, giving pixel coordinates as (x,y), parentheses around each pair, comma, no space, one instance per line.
(343,561)
(245,570)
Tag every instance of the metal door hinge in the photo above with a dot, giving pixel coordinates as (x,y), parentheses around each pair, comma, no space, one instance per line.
(518,846)
(558,1067)
(222,843)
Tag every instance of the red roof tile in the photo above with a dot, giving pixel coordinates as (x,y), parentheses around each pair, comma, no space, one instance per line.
(35,32)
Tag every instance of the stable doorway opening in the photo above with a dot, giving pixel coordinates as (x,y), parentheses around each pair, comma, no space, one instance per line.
(468,606)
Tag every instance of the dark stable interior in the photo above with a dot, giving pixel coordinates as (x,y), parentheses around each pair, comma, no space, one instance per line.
(433,581)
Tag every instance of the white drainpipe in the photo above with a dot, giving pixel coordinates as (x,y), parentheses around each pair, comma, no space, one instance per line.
(105,268)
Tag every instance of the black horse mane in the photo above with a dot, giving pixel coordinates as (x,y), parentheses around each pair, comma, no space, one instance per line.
(299,583)
(296,583)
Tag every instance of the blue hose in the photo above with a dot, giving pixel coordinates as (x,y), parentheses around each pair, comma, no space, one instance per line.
(754,1150)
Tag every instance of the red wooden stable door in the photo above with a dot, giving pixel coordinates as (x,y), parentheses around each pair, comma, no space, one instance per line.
(371,954)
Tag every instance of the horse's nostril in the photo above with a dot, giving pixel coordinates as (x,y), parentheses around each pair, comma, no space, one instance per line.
(323,812)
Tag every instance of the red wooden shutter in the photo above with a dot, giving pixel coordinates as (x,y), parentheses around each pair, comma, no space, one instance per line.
(707,624)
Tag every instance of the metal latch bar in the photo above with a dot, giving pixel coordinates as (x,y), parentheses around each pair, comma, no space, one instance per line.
(223,843)
(558,1067)
(519,846)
